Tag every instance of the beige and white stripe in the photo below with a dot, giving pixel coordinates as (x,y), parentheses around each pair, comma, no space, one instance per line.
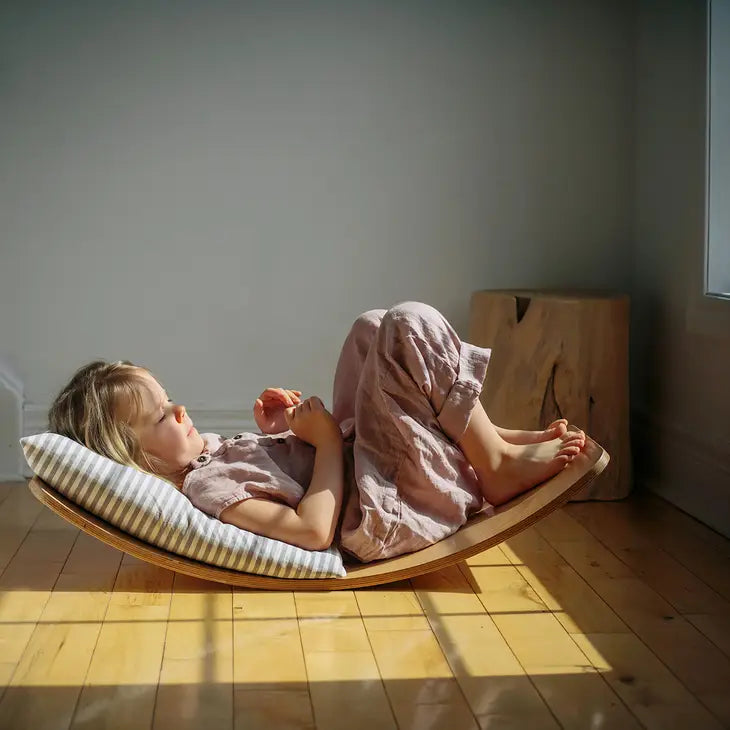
(152,510)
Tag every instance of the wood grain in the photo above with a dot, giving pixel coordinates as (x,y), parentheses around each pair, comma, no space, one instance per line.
(560,354)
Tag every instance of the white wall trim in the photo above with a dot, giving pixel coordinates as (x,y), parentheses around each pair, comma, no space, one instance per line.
(709,451)
(688,470)
(12,396)
(34,420)
(9,382)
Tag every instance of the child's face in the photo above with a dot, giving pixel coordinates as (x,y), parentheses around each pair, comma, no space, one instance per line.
(164,428)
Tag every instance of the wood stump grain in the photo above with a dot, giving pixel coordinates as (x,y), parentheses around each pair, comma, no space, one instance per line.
(560,354)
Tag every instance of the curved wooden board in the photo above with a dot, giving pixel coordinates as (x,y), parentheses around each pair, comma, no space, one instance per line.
(479,533)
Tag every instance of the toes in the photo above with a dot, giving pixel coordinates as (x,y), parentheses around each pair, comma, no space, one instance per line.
(558,427)
(570,450)
(574,437)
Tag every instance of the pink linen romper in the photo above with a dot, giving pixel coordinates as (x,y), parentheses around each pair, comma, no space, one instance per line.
(404,389)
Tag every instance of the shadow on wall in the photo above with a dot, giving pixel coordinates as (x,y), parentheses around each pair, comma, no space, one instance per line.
(650,362)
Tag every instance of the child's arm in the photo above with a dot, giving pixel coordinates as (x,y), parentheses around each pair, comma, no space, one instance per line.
(312,525)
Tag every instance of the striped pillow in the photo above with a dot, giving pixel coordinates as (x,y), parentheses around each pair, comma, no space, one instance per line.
(154,511)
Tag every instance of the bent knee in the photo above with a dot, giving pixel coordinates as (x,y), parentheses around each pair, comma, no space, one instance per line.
(410,315)
(368,322)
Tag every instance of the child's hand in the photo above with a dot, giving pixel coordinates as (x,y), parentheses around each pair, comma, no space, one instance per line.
(269,409)
(313,423)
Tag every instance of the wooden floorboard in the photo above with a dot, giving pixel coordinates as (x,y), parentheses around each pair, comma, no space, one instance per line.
(605,614)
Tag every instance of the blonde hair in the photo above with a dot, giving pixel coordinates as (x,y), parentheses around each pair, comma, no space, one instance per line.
(86,410)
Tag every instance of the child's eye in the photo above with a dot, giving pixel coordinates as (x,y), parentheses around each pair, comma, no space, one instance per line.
(164,414)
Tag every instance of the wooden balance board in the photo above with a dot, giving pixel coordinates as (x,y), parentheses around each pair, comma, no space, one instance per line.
(478,534)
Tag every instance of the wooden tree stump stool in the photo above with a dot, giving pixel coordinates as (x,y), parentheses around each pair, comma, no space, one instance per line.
(560,354)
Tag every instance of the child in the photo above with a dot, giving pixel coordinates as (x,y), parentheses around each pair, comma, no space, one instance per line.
(405,457)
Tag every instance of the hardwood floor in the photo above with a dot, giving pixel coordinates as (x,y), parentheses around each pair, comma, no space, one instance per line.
(604,615)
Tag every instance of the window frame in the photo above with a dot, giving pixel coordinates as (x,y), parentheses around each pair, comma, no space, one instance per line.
(706,285)
(706,314)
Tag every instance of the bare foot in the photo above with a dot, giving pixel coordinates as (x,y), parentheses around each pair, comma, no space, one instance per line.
(554,430)
(523,466)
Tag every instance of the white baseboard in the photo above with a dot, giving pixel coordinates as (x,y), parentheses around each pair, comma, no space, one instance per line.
(11,413)
(690,469)
(225,423)
(702,447)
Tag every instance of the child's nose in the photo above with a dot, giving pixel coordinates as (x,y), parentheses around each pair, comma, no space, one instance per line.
(179,413)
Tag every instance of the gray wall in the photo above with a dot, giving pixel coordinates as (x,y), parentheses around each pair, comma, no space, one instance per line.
(218,189)
(680,340)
